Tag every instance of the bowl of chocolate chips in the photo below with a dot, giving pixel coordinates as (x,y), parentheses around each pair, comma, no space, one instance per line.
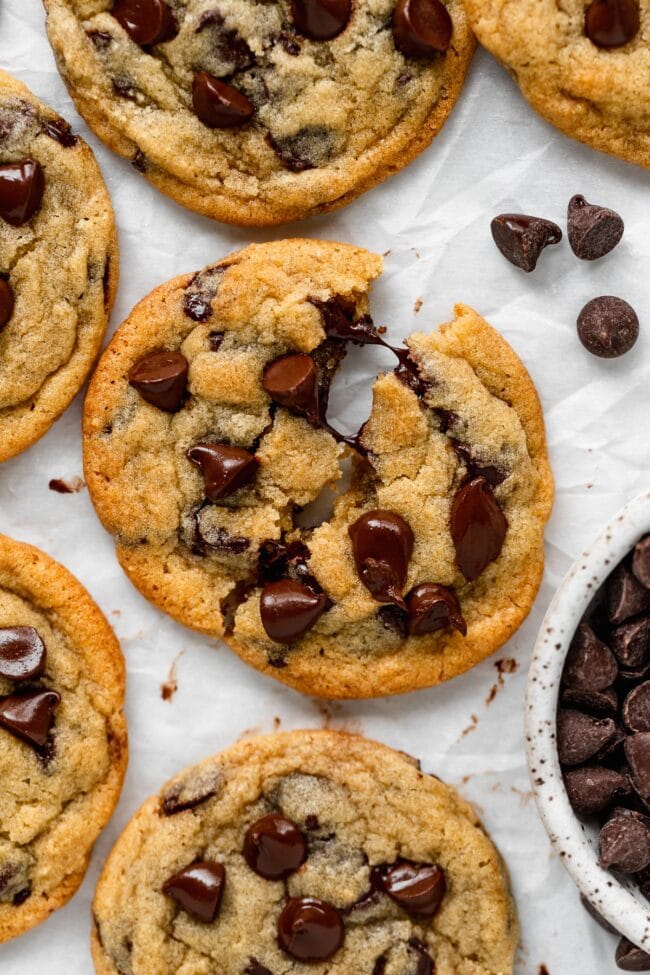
(588,729)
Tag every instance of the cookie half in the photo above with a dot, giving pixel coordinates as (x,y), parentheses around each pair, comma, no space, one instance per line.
(583,66)
(259,113)
(58,265)
(63,747)
(308,851)
(206,438)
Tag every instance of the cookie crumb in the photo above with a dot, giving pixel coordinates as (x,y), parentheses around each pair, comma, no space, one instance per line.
(417,305)
(73,486)
(505,666)
(169,687)
(470,727)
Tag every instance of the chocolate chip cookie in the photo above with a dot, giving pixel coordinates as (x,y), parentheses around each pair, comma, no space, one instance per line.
(58,265)
(207,436)
(312,851)
(262,112)
(63,744)
(582,65)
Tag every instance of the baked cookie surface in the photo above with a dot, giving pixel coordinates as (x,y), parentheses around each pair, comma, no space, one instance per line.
(206,438)
(63,748)
(583,66)
(214,872)
(58,265)
(258,113)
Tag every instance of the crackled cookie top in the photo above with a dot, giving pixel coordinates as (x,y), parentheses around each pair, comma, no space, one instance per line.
(263,112)
(584,66)
(58,265)
(62,734)
(206,437)
(304,852)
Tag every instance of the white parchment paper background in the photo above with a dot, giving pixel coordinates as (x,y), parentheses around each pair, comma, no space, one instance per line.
(494,155)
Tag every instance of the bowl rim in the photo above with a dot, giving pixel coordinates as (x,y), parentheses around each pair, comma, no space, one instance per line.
(610,896)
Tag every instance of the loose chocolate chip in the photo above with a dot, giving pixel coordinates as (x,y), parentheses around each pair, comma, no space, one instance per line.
(292,381)
(254,968)
(321,20)
(310,929)
(590,665)
(61,130)
(225,469)
(608,327)
(422,28)
(289,609)
(612,23)
(418,888)
(22,185)
(433,607)
(229,46)
(22,653)
(637,752)
(198,889)
(522,238)
(636,708)
(6,302)
(624,841)
(592,789)
(274,847)
(307,148)
(29,715)
(382,545)
(218,105)
(161,379)
(631,643)
(625,596)
(590,909)
(593,230)
(147,22)
(630,958)
(641,561)
(493,475)
(603,703)
(478,528)
(580,737)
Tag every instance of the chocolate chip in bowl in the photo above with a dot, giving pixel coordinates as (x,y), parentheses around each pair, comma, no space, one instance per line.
(587,728)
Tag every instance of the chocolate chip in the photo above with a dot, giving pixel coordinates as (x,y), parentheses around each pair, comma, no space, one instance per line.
(125,88)
(408,373)
(422,28)
(229,46)
(612,23)
(139,161)
(592,789)
(101,39)
(636,708)
(274,847)
(603,703)
(225,469)
(341,323)
(29,715)
(424,961)
(630,958)
(292,381)
(321,20)
(641,561)
(580,737)
(625,596)
(254,968)
(161,379)
(22,653)
(608,327)
(198,889)
(218,105)
(433,607)
(307,148)
(289,43)
(590,665)
(197,301)
(522,238)
(191,790)
(637,752)
(215,339)
(493,475)
(624,841)
(290,609)
(418,888)
(382,545)
(631,643)
(593,230)
(61,130)
(478,528)
(6,302)
(216,537)
(147,22)
(22,185)
(310,929)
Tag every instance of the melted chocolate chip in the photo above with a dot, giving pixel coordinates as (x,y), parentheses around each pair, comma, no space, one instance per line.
(139,161)
(22,185)
(612,23)
(393,618)
(198,889)
(197,301)
(425,961)
(408,373)
(125,89)
(590,665)
(522,238)
(101,39)
(289,609)
(641,561)
(215,339)
(382,545)
(292,382)
(254,968)
(493,475)
(29,715)
(625,596)
(217,538)
(593,789)
(433,607)
(191,791)
(422,28)
(6,302)
(225,469)
(340,322)
(580,737)
(61,130)
(608,327)
(309,929)
(636,708)
(321,20)
(418,888)
(629,958)
(219,105)
(22,653)
(161,379)
(307,148)
(624,841)
(289,43)
(274,847)
(593,230)
(147,22)
(478,528)
(229,46)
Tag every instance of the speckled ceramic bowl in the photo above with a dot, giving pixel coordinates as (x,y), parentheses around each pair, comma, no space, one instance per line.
(617,901)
